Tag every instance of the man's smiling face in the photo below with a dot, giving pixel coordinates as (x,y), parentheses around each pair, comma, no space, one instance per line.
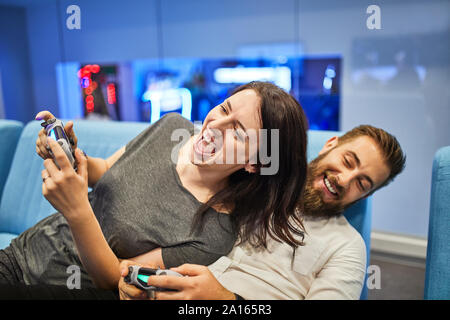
(342,174)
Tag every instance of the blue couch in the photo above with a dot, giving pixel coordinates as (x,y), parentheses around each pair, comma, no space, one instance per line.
(23,205)
(437,274)
(9,135)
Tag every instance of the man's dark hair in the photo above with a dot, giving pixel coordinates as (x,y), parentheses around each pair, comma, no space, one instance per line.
(387,144)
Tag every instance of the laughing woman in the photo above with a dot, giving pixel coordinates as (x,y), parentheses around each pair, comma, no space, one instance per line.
(152,207)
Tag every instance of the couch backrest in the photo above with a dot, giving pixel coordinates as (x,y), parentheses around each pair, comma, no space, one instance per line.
(9,135)
(22,204)
(437,274)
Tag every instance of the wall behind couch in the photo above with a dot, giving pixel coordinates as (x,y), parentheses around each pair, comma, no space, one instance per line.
(17,95)
(416,110)
(118,31)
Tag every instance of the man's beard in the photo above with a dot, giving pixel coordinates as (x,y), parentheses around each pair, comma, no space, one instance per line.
(312,203)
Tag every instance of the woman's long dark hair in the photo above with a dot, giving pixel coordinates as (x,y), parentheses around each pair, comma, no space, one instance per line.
(263,205)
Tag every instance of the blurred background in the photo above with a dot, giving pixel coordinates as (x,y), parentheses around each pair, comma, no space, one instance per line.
(136,60)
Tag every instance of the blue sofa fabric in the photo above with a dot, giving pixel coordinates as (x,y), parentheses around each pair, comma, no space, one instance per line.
(437,274)
(9,135)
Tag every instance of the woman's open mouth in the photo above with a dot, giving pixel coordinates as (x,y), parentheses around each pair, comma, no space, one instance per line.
(204,145)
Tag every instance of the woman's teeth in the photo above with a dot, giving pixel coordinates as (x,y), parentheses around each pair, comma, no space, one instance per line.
(208,138)
(205,146)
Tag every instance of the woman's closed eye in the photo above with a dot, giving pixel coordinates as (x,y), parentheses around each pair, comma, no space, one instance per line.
(239,134)
(236,131)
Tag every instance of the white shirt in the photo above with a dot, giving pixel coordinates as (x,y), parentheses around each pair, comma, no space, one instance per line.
(331,265)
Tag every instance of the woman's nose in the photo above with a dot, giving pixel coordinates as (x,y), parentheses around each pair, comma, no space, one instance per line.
(220,123)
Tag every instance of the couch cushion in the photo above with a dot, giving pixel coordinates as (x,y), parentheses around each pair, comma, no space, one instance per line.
(5,239)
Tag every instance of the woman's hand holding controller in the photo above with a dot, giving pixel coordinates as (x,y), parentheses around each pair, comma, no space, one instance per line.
(41,142)
(65,188)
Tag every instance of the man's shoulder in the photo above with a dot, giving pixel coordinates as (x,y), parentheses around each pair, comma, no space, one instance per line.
(335,231)
(339,243)
(347,229)
(353,238)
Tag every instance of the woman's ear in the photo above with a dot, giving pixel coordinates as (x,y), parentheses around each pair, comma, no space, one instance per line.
(251,168)
(330,144)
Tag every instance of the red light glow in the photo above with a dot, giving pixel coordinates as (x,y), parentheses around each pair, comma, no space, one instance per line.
(111,92)
(90,107)
(89,99)
(95,68)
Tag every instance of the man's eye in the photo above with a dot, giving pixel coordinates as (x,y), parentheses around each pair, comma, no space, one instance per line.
(361,185)
(347,163)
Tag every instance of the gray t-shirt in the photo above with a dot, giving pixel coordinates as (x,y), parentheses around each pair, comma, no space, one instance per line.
(141,205)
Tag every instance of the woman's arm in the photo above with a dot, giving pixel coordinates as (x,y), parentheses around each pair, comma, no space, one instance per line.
(97,256)
(94,251)
(153,257)
(98,166)
(66,190)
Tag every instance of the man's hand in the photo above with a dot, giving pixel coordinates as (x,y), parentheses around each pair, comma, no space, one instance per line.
(200,284)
